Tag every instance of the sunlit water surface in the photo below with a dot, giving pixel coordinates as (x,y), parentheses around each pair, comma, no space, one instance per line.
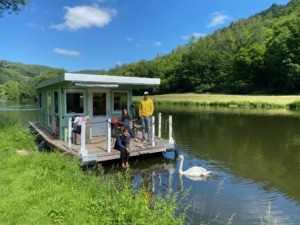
(255,159)
(20,112)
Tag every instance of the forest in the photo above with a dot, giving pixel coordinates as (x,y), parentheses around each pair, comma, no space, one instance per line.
(257,55)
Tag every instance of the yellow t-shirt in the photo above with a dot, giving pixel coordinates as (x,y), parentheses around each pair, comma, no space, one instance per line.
(146,107)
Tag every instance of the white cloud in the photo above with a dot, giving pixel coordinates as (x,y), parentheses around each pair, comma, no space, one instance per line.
(35,26)
(196,35)
(80,17)
(66,52)
(218,18)
(157,43)
(140,45)
(130,39)
(120,63)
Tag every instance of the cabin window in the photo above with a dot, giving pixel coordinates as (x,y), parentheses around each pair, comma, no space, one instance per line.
(75,102)
(99,104)
(120,100)
(40,100)
(55,101)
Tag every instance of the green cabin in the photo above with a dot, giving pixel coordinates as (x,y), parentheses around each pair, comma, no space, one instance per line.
(101,97)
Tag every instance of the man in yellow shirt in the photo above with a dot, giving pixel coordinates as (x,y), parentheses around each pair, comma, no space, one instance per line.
(146,109)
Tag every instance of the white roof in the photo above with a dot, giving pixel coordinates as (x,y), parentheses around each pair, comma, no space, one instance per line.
(97,80)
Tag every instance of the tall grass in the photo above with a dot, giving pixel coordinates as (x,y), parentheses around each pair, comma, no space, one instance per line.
(50,188)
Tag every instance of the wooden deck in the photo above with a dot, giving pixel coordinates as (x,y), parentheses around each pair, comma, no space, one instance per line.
(97,149)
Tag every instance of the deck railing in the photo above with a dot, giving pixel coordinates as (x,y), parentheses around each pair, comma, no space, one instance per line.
(83,150)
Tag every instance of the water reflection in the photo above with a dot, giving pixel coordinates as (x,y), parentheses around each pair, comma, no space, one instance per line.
(181,186)
(20,112)
(12,105)
(256,159)
(256,164)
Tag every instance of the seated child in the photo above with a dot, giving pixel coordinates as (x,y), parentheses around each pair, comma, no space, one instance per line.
(122,144)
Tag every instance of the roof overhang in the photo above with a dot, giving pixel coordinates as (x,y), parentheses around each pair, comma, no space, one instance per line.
(92,80)
(95,85)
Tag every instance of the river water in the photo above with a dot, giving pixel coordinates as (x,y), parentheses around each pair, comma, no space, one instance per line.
(254,156)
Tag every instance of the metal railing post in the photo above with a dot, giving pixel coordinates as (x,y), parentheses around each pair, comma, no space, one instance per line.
(152,131)
(159,125)
(83,150)
(109,135)
(70,133)
(170,130)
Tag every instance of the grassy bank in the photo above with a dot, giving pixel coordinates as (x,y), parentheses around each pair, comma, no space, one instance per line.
(222,100)
(50,188)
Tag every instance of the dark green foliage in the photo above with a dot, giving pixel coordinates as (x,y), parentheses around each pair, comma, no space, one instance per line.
(11,6)
(283,57)
(17,80)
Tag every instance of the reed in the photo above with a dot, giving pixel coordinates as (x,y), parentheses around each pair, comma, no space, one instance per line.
(268,219)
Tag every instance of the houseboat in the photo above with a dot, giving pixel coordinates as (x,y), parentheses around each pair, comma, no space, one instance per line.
(91,102)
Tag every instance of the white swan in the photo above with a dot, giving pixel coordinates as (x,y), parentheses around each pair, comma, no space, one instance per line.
(195,171)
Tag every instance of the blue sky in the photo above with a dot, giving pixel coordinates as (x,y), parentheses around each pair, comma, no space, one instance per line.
(100,34)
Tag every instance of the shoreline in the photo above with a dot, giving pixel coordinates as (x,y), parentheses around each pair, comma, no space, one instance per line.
(223,100)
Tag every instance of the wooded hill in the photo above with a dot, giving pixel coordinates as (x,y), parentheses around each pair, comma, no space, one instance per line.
(258,55)
(17,80)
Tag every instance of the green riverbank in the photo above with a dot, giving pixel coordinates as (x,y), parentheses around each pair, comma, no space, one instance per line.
(50,188)
(222,100)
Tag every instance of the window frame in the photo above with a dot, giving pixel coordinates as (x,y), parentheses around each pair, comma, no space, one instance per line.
(40,100)
(83,93)
(55,102)
(118,111)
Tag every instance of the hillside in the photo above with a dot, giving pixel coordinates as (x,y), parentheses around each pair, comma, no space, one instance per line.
(19,72)
(257,55)
(17,80)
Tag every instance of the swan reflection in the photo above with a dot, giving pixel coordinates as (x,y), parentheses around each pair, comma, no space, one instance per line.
(181,185)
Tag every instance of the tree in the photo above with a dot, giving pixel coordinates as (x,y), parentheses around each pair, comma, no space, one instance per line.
(12,6)
(283,58)
(27,91)
(248,74)
(10,91)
